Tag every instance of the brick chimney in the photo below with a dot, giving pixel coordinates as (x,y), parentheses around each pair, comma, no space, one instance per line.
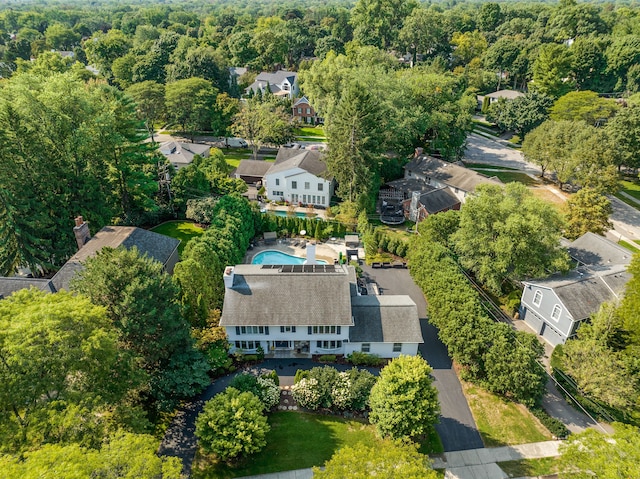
(81,231)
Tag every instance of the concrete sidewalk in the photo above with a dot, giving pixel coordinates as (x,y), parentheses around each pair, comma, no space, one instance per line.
(470,464)
(482,463)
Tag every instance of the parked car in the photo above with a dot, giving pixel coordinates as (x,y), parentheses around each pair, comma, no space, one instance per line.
(236,143)
(293,146)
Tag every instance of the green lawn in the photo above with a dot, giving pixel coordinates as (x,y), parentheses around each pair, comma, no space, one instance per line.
(182,230)
(631,188)
(507,176)
(502,422)
(629,246)
(530,467)
(316,132)
(296,441)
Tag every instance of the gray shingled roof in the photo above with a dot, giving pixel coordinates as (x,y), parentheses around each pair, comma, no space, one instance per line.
(409,185)
(302,101)
(592,249)
(508,94)
(181,154)
(582,291)
(9,285)
(154,245)
(385,319)
(308,160)
(253,168)
(438,200)
(274,80)
(450,174)
(269,297)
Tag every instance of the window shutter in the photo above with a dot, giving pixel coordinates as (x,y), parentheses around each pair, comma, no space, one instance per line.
(309,330)
(293,329)
(266,330)
(282,329)
(338,329)
(238,330)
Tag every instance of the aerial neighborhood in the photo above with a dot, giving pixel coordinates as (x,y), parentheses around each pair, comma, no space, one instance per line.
(319,239)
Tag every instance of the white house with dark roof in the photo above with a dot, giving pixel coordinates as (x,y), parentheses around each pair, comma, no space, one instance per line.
(299,176)
(555,307)
(313,309)
(281,83)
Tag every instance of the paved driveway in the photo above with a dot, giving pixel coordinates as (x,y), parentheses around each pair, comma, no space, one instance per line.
(457,429)
(483,150)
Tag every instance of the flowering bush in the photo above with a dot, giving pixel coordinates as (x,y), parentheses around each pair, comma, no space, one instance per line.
(269,392)
(306,393)
(341,391)
(260,383)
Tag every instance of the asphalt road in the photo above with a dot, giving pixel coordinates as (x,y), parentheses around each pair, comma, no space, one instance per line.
(457,428)
(483,150)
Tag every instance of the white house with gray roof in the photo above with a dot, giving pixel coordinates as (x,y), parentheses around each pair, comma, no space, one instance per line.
(299,176)
(556,307)
(313,309)
(281,83)
(181,153)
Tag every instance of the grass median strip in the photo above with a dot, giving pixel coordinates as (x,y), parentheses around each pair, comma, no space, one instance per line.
(530,467)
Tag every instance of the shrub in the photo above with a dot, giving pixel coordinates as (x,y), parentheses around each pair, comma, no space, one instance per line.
(306,393)
(232,425)
(300,374)
(259,383)
(358,358)
(555,427)
(327,358)
(341,391)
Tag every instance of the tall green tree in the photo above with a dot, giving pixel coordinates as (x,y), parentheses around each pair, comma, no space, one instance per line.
(389,460)
(354,147)
(624,131)
(587,210)
(378,22)
(508,234)
(551,70)
(123,456)
(587,106)
(593,454)
(195,114)
(149,98)
(404,402)
(61,369)
(142,302)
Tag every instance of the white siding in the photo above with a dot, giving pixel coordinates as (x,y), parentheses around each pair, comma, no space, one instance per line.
(535,315)
(285,181)
(384,350)
(268,341)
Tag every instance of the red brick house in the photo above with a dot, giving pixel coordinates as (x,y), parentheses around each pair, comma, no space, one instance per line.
(305,113)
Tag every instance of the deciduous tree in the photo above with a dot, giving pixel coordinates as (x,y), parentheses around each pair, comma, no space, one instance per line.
(404,402)
(587,210)
(231,425)
(387,460)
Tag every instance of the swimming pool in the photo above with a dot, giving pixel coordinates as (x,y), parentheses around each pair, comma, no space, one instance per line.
(299,214)
(272,256)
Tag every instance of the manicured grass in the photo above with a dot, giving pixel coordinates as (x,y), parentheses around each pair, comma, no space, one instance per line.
(486,167)
(530,467)
(631,188)
(296,441)
(506,176)
(502,422)
(316,132)
(182,230)
(629,246)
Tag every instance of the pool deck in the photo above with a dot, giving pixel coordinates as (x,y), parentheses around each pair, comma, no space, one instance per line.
(298,209)
(329,250)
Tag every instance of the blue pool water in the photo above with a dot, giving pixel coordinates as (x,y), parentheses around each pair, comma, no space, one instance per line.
(299,214)
(271,256)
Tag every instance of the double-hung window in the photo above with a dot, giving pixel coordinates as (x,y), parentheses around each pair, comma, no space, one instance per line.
(324,330)
(537,298)
(329,344)
(287,329)
(252,329)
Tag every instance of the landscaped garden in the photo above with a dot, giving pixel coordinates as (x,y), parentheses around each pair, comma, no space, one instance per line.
(185,231)
(296,441)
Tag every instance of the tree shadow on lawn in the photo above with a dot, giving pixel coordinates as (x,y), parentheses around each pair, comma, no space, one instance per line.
(296,441)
